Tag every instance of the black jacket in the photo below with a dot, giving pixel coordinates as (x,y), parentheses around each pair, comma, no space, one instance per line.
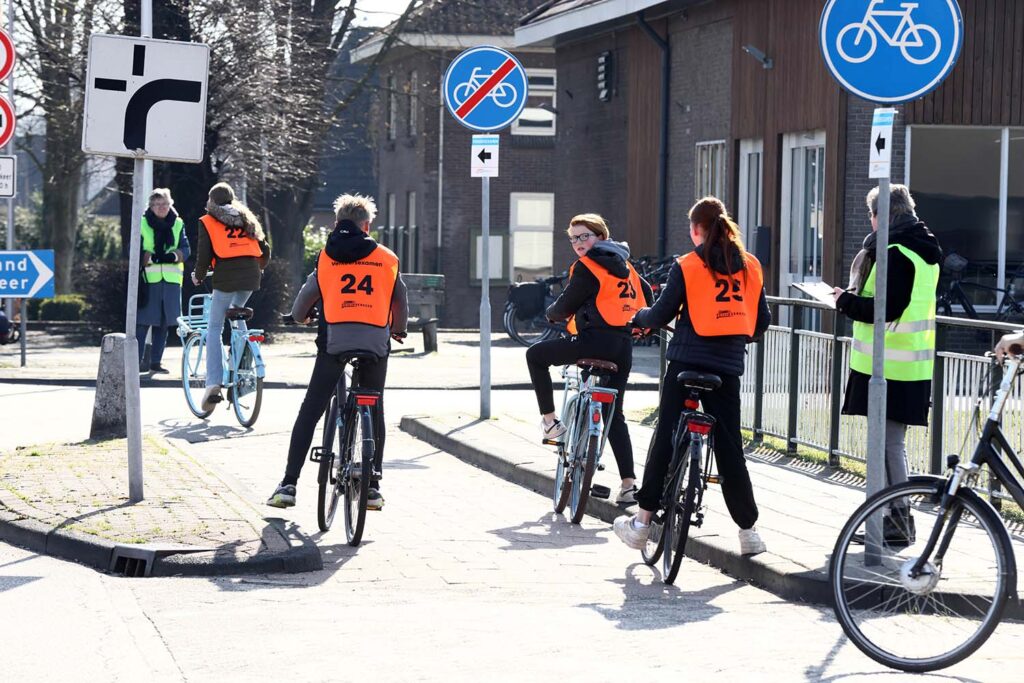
(721,355)
(579,297)
(906,402)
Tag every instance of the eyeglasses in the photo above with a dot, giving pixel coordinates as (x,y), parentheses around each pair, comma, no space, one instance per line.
(574,239)
(160,205)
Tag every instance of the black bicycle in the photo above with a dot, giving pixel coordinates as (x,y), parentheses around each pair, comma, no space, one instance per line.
(524,318)
(924,601)
(956,293)
(688,477)
(353,422)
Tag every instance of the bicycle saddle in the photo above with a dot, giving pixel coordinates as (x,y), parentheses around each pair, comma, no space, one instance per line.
(702,381)
(597,367)
(239,313)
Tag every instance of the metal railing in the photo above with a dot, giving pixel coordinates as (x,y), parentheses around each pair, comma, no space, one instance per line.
(795,380)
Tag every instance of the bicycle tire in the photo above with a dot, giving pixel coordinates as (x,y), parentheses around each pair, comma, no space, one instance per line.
(193,374)
(563,470)
(651,552)
(327,479)
(683,515)
(856,576)
(526,332)
(245,377)
(357,489)
(584,462)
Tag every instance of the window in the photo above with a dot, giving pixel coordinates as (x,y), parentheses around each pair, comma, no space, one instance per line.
(414,84)
(496,260)
(802,243)
(538,117)
(751,198)
(391,113)
(531,224)
(710,175)
(955,176)
(411,257)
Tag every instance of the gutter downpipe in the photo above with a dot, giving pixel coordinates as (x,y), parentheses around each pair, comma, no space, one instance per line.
(440,165)
(666,72)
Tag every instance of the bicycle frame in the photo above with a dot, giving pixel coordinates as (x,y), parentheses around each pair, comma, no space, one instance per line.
(582,384)
(893,41)
(693,424)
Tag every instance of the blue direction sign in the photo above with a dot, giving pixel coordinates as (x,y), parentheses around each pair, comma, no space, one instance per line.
(485,88)
(26,274)
(891,51)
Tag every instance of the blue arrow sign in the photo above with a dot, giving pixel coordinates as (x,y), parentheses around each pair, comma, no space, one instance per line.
(891,51)
(26,274)
(485,88)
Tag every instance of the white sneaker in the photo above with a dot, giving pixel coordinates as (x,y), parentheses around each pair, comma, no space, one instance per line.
(626,496)
(629,533)
(552,432)
(750,542)
(211,398)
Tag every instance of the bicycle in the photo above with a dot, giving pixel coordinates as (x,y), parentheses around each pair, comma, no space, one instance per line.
(682,500)
(503,94)
(1008,308)
(353,416)
(922,603)
(243,365)
(908,34)
(524,318)
(587,408)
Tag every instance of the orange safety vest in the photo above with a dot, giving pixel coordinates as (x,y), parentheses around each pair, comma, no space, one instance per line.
(229,242)
(358,292)
(618,299)
(722,305)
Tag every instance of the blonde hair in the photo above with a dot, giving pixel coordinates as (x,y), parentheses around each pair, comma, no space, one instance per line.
(355,208)
(161,193)
(592,222)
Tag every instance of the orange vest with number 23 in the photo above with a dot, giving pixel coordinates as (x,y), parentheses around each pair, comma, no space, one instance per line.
(722,305)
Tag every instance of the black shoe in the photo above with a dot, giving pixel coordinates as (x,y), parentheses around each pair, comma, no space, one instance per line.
(898,530)
(158,369)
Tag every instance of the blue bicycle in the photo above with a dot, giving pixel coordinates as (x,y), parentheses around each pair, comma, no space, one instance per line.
(243,367)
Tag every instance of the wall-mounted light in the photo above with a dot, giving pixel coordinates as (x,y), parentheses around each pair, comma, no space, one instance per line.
(765,60)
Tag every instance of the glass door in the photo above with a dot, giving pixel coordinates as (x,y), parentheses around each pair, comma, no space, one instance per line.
(803,210)
(750,189)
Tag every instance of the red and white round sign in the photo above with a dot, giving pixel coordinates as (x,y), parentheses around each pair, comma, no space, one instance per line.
(7,120)
(7,55)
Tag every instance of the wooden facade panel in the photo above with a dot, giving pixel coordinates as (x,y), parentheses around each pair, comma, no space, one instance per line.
(1017,66)
(748,76)
(644,71)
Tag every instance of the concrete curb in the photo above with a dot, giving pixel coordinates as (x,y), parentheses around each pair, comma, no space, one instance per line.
(782,577)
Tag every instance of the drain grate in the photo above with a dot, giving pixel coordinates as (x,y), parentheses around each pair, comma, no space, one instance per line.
(132,561)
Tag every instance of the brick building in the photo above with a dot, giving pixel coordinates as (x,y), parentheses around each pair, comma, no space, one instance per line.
(751,114)
(429,205)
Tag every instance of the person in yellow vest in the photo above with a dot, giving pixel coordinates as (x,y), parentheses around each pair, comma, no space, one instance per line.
(915,259)
(603,293)
(363,304)
(716,294)
(232,242)
(164,250)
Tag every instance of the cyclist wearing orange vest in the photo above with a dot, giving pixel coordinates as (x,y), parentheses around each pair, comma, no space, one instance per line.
(231,237)
(363,305)
(716,293)
(602,295)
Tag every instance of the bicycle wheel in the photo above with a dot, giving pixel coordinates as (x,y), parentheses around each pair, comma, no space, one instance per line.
(651,552)
(247,389)
(678,517)
(193,373)
(935,619)
(563,471)
(584,462)
(360,447)
(328,486)
(526,332)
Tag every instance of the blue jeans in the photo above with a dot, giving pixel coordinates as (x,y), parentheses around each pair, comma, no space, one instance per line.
(219,306)
(158,342)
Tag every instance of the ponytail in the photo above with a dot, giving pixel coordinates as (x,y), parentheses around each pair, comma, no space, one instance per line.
(720,231)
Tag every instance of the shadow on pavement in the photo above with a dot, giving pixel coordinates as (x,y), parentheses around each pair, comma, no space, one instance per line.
(199,432)
(549,532)
(9,582)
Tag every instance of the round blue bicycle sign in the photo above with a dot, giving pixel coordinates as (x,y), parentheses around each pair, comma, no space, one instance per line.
(891,51)
(485,88)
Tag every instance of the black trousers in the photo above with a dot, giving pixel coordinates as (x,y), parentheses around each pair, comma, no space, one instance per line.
(612,346)
(724,405)
(326,372)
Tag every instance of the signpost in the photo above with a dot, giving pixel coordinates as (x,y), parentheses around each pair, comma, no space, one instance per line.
(886,52)
(485,90)
(8,58)
(144,99)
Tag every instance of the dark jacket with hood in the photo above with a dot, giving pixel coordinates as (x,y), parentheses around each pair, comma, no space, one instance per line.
(348,244)
(720,355)
(579,297)
(906,402)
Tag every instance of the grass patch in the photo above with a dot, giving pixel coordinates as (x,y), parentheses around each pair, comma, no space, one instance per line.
(648,417)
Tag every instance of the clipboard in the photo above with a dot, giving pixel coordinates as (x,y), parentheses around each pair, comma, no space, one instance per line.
(819,291)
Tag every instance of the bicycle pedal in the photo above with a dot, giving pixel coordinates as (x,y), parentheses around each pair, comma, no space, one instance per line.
(317,454)
(599,491)
(600,467)
(714,479)
(551,442)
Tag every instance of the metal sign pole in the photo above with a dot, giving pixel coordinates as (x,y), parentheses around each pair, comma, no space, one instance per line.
(485,303)
(876,479)
(10,202)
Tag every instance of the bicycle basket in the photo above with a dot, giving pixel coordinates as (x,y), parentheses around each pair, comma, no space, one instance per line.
(954,263)
(528,298)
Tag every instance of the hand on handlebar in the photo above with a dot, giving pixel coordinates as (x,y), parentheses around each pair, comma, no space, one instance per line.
(399,336)
(1009,345)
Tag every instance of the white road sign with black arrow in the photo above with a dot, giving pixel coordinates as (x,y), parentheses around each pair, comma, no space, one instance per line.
(880,156)
(146,98)
(484,159)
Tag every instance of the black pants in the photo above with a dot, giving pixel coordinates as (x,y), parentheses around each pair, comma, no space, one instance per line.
(722,404)
(612,346)
(326,373)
